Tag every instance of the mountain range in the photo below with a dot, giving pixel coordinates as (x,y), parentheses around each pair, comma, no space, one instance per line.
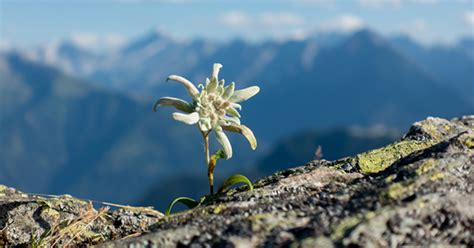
(81,123)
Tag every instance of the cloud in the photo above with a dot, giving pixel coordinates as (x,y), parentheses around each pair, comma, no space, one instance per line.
(5,45)
(280,19)
(393,3)
(343,23)
(379,3)
(419,25)
(96,41)
(237,19)
(469,18)
(414,28)
(154,1)
(319,3)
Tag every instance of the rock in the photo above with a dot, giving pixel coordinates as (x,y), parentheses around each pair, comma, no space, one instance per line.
(27,219)
(416,191)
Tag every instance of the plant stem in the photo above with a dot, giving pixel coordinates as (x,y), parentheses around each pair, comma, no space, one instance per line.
(210,168)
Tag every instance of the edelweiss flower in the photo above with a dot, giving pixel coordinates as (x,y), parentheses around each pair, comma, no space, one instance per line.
(213,109)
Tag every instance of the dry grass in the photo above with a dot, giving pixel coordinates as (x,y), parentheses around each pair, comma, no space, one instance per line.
(64,233)
(74,231)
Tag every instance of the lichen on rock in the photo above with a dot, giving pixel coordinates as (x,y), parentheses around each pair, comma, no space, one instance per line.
(418,191)
(378,160)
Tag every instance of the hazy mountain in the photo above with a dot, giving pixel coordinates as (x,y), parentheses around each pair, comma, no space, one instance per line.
(142,65)
(145,63)
(67,56)
(362,81)
(451,65)
(337,143)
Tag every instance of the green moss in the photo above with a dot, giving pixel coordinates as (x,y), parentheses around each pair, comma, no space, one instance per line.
(259,217)
(219,208)
(347,224)
(400,190)
(262,222)
(436,176)
(378,160)
(397,191)
(3,188)
(425,166)
(469,142)
(390,178)
(434,130)
(320,241)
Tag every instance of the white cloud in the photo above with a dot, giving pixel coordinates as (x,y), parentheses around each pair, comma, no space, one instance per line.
(469,18)
(113,40)
(96,41)
(427,1)
(343,23)
(393,3)
(326,4)
(86,40)
(419,25)
(299,34)
(154,1)
(5,45)
(416,28)
(280,19)
(237,19)
(379,3)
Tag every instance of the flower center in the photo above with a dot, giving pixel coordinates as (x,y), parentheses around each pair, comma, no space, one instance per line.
(213,107)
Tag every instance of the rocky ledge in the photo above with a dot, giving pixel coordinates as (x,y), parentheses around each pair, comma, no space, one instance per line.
(416,191)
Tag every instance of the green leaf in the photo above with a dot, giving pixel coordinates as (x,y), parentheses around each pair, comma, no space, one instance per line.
(189,202)
(219,154)
(235,179)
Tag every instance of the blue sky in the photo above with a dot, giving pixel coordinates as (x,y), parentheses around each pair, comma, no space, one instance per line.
(113,22)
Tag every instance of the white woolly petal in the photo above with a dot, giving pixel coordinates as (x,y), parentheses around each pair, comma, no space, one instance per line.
(192,90)
(245,131)
(174,102)
(189,119)
(224,142)
(244,94)
(236,105)
(212,86)
(232,119)
(233,112)
(229,91)
(215,70)
(204,124)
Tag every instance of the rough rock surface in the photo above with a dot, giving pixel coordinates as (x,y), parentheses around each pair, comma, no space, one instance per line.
(35,221)
(416,191)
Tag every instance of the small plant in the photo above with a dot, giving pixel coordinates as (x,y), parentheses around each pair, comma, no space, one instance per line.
(213,109)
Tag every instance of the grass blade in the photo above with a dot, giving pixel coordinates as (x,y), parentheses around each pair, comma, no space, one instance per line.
(190,203)
(235,179)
